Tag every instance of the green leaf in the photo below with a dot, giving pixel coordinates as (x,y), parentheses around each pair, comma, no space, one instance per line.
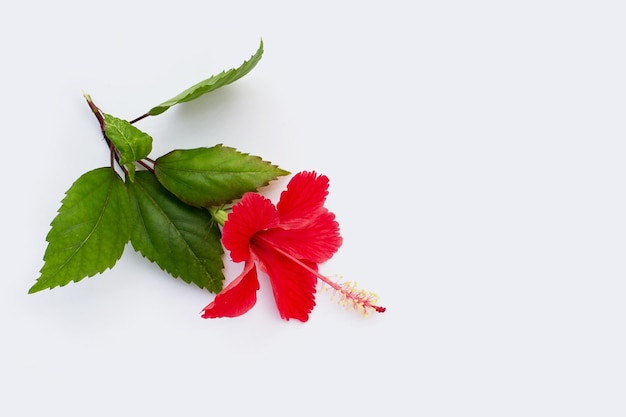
(210,84)
(182,240)
(132,143)
(90,231)
(208,177)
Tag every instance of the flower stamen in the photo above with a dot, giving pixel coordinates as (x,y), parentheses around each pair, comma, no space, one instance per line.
(351,297)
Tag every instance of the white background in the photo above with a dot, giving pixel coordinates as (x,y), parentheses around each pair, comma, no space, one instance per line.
(476,158)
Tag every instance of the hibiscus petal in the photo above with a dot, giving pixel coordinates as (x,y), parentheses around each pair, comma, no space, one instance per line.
(293,285)
(252,214)
(316,242)
(303,199)
(236,298)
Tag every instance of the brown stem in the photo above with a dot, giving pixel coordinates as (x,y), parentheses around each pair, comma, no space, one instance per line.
(96,111)
(143,116)
(145,165)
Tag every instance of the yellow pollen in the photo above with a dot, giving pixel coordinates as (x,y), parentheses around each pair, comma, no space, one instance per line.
(353,298)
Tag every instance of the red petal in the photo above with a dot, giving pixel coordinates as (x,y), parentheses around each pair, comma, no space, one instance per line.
(316,242)
(252,214)
(303,199)
(237,298)
(293,285)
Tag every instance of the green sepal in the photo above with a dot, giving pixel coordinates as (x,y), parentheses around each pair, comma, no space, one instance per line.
(210,84)
(90,231)
(208,177)
(132,144)
(180,239)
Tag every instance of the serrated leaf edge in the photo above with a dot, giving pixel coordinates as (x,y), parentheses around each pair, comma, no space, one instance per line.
(35,288)
(189,93)
(282,172)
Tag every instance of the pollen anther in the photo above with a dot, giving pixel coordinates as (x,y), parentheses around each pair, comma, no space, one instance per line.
(353,298)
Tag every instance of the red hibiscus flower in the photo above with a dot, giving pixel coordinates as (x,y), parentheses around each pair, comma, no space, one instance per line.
(286,242)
